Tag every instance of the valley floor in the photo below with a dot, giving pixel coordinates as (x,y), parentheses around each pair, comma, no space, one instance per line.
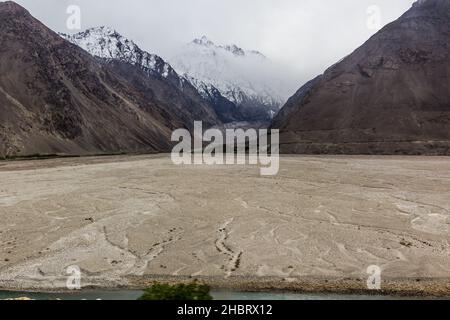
(317,226)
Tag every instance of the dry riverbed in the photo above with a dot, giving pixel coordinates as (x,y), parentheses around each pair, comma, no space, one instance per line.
(129,220)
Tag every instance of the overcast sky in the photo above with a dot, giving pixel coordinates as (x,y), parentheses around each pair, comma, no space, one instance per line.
(306,35)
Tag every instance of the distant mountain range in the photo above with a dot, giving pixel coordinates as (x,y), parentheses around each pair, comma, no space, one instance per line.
(390,96)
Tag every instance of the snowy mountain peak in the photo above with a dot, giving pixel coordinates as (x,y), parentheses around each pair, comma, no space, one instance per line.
(206,43)
(245,77)
(103,30)
(105,42)
(203,41)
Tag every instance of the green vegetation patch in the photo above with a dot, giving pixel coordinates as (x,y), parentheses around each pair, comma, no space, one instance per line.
(179,292)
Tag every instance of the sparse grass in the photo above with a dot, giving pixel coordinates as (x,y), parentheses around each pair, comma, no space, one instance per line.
(179,292)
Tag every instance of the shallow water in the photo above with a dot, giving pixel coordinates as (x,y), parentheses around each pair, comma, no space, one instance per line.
(217,295)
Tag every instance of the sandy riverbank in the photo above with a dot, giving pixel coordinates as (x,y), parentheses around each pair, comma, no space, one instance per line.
(316,227)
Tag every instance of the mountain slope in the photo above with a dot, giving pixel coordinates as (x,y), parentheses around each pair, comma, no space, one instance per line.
(390,96)
(243,77)
(226,110)
(108,44)
(56,98)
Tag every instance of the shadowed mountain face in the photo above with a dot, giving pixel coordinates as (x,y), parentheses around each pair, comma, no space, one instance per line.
(56,98)
(390,96)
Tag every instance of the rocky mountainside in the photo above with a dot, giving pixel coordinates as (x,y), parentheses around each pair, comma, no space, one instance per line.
(108,44)
(390,96)
(57,98)
(227,111)
(245,78)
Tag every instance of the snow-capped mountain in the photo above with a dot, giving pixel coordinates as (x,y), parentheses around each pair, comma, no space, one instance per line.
(246,78)
(107,43)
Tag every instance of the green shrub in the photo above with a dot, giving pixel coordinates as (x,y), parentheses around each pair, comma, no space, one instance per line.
(179,292)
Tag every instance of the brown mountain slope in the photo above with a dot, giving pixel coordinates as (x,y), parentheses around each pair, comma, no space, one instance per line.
(182,100)
(56,98)
(390,96)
